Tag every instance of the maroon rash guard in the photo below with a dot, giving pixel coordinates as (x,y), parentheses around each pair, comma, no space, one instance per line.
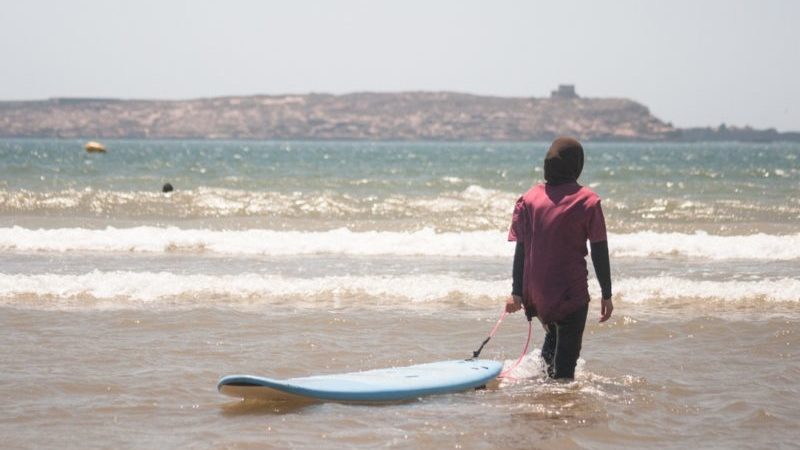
(553,223)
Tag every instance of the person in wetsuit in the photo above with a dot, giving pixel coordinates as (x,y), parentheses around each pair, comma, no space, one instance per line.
(551,224)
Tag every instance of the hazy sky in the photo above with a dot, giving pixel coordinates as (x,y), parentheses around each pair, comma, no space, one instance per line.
(692,62)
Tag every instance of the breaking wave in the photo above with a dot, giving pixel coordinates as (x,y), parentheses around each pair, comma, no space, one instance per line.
(342,241)
(380,290)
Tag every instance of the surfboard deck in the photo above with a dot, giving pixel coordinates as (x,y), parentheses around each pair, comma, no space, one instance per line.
(381,385)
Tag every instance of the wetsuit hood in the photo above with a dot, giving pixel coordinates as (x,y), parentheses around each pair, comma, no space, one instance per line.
(564,161)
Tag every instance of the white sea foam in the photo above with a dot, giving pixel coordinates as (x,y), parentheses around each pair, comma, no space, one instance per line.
(382,290)
(425,242)
(640,290)
(256,242)
(703,245)
(220,202)
(150,286)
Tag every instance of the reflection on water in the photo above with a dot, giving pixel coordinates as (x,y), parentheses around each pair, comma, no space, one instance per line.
(266,407)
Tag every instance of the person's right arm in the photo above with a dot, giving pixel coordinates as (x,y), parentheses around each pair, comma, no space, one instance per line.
(514,303)
(517,233)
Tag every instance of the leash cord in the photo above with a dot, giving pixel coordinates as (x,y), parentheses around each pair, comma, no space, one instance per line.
(505,373)
(503,315)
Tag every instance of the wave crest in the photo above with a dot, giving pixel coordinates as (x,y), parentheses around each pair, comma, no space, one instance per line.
(342,241)
(248,288)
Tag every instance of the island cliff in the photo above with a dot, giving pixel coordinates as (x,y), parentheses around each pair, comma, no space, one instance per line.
(371,116)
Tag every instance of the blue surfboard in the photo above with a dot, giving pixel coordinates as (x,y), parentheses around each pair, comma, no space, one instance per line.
(398,383)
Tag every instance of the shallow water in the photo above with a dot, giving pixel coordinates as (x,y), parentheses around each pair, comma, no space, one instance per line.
(121,307)
(145,378)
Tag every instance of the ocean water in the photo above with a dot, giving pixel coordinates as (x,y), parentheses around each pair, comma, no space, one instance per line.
(121,306)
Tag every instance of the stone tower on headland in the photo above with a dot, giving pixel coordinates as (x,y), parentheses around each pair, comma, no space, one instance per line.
(564,91)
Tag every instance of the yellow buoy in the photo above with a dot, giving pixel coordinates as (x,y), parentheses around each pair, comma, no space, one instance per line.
(95,147)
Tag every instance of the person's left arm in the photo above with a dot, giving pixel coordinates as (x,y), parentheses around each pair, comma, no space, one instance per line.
(600,259)
(602,269)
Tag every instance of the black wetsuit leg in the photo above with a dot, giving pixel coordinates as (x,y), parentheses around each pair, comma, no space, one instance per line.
(562,344)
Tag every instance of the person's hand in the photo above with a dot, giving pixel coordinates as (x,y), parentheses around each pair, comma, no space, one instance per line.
(605,309)
(513,304)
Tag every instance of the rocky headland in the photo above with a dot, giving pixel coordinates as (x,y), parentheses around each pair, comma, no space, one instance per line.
(368,116)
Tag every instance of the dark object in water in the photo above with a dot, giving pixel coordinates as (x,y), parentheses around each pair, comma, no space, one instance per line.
(167,188)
